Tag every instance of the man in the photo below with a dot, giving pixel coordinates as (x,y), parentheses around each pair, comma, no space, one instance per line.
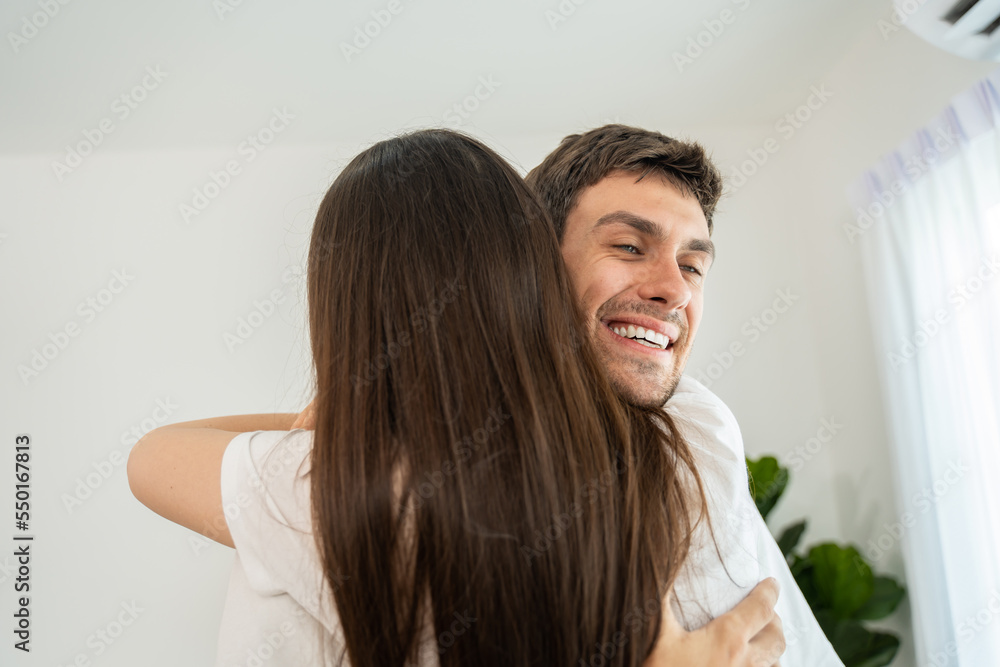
(633,212)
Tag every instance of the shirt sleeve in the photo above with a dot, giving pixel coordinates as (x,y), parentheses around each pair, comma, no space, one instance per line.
(712,432)
(722,566)
(265,497)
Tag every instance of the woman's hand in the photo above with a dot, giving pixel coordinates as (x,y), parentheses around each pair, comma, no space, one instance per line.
(306,418)
(749,635)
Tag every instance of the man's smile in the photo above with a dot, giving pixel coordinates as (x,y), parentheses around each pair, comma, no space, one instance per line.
(648,332)
(658,341)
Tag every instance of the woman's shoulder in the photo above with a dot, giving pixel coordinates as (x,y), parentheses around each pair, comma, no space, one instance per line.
(266,499)
(270,468)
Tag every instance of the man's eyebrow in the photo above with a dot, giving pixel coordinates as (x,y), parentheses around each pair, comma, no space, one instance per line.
(653,230)
(640,224)
(701,245)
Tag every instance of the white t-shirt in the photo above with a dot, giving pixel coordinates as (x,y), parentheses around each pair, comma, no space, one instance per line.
(279,607)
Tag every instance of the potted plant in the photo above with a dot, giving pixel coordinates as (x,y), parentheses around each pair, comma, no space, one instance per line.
(837,582)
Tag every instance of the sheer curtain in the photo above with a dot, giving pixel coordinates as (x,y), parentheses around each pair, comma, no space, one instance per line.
(927,220)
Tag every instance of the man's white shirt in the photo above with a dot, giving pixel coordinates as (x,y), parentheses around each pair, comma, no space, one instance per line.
(712,582)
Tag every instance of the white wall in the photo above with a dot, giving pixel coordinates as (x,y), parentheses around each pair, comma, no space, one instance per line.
(781,231)
(158,341)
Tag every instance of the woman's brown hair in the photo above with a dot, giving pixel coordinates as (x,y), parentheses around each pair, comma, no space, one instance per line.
(472,467)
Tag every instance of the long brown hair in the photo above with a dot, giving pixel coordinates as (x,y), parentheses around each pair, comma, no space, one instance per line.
(472,467)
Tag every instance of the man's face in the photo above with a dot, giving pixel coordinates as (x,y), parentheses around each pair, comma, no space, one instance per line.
(638,254)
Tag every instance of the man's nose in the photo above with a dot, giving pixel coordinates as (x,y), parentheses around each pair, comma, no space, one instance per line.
(665,282)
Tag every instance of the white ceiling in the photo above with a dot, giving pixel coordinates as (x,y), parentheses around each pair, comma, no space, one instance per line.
(609,59)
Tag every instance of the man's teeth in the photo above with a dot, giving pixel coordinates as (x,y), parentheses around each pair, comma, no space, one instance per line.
(649,337)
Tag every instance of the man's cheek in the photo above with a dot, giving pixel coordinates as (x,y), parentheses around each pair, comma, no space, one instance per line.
(592,300)
(604,289)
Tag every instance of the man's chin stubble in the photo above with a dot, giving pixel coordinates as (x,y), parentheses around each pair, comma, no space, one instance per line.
(655,396)
(652,398)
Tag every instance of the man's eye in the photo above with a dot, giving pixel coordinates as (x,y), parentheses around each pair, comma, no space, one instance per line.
(631,249)
(692,269)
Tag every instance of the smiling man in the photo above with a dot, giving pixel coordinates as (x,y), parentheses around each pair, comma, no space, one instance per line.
(638,252)
(633,212)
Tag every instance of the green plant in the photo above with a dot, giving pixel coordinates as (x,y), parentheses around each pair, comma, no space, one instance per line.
(837,582)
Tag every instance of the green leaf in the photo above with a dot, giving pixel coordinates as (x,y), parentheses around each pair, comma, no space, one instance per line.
(829,624)
(790,538)
(879,651)
(800,565)
(842,578)
(883,601)
(767,483)
(802,572)
(855,645)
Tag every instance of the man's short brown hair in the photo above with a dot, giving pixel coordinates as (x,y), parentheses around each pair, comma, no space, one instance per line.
(581,160)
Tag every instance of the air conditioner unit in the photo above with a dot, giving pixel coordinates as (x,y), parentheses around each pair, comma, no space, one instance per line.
(967,28)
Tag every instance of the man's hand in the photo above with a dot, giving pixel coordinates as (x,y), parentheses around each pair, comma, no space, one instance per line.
(749,635)
(307,418)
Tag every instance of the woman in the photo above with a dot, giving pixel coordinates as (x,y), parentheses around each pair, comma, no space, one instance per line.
(470,460)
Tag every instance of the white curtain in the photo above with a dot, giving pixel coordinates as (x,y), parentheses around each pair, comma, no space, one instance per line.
(927,220)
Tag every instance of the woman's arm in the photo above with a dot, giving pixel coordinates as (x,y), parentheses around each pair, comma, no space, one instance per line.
(175,470)
(278,421)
